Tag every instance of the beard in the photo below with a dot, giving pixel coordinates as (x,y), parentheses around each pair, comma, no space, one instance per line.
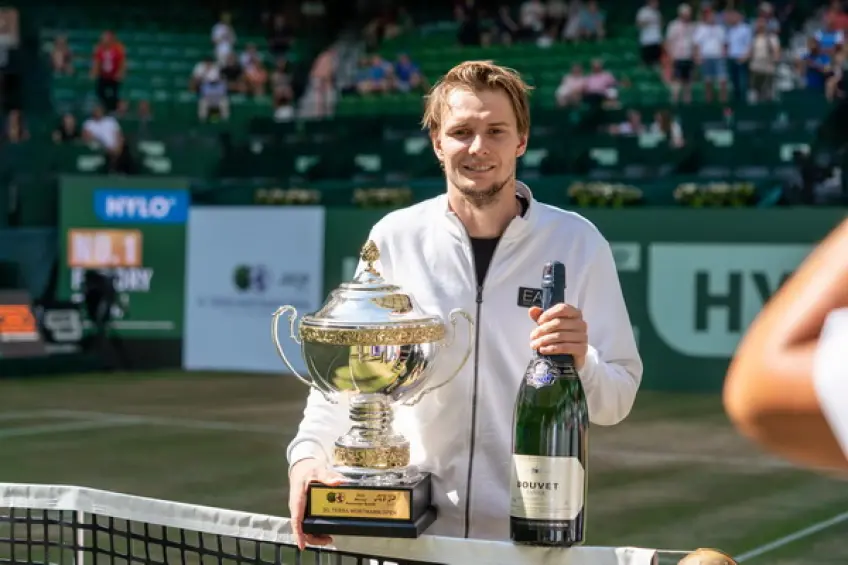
(483,198)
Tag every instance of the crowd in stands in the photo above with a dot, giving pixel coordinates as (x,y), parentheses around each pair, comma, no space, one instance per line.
(734,54)
(252,71)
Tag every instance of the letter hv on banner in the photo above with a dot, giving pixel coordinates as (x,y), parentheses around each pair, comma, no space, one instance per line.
(242,264)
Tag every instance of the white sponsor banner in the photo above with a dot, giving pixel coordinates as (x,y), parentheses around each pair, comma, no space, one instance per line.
(242,264)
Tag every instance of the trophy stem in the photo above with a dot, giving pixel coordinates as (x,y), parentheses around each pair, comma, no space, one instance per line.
(371,415)
(371,452)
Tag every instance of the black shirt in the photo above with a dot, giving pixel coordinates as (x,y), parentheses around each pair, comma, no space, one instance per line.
(484,248)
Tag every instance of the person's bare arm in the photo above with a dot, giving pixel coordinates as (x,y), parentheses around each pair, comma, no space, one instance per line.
(769,393)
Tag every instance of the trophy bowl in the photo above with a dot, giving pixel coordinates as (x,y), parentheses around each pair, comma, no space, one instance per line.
(371,343)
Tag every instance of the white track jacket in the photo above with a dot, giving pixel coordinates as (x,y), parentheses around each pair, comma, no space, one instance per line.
(462,433)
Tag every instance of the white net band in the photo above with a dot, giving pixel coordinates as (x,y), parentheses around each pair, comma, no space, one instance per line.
(273,529)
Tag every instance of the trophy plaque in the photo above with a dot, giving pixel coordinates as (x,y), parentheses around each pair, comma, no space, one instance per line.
(372,345)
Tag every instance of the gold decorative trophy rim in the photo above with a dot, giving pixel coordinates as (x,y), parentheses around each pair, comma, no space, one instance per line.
(370,312)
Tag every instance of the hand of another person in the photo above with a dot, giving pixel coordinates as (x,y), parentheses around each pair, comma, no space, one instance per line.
(302,473)
(560,331)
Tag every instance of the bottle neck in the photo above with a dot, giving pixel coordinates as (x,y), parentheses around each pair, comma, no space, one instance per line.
(553,294)
(558,360)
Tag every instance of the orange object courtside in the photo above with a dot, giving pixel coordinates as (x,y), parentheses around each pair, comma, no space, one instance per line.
(17,324)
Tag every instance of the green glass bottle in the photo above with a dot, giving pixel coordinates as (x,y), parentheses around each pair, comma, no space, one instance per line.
(549,443)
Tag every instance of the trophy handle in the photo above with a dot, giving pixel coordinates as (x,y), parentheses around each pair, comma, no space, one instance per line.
(453,317)
(275,334)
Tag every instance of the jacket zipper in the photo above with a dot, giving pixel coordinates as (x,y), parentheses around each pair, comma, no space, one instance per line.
(473,405)
(479,301)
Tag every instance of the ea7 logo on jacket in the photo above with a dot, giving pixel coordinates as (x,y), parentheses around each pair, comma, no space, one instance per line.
(528,297)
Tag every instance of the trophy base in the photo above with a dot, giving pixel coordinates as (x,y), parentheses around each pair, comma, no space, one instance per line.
(360,509)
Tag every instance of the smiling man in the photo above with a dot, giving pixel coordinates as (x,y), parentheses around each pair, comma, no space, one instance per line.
(480,247)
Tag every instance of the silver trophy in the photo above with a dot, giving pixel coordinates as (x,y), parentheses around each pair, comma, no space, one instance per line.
(371,342)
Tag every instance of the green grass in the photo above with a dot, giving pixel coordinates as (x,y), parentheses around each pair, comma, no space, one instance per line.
(674,475)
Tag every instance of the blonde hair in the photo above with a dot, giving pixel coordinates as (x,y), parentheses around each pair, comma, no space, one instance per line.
(477,76)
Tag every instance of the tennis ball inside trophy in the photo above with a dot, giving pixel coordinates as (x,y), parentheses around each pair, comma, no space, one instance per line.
(373,346)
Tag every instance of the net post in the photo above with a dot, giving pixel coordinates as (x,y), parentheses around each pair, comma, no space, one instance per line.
(80,538)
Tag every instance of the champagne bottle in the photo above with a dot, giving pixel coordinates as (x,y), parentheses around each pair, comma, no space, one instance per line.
(549,443)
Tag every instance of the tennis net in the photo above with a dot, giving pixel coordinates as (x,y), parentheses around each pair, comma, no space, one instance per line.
(57,524)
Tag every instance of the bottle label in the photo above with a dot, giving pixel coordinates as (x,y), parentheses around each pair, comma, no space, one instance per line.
(547,488)
(544,373)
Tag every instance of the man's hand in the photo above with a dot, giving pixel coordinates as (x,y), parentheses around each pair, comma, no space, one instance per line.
(302,473)
(561,331)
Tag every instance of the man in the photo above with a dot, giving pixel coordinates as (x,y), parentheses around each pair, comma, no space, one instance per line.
(710,42)
(105,132)
(739,43)
(108,69)
(679,44)
(649,22)
(787,388)
(475,247)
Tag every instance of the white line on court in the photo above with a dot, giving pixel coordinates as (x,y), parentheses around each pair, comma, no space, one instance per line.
(56,428)
(795,536)
(211,425)
(24,414)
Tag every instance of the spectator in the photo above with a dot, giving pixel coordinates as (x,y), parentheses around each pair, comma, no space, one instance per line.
(223,37)
(255,75)
(374,76)
(108,69)
(388,24)
(200,71)
(322,80)
(506,30)
(765,55)
(830,39)
(766,12)
(233,74)
(213,97)
(281,82)
(632,126)
(68,130)
(15,130)
(61,56)
(407,74)
(840,18)
(739,44)
(570,89)
(669,128)
(679,44)
(710,52)
(649,22)
(532,19)
(105,133)
(250,53)
(571,31)
(280,36)
(599,85)
(591,22)
(814,66)
(835,85)
(556,12)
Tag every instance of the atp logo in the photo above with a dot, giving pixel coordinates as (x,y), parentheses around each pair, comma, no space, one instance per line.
(251,278)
